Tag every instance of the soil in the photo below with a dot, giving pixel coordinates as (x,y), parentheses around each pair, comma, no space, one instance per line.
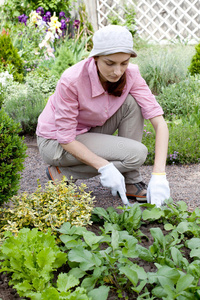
(184,181)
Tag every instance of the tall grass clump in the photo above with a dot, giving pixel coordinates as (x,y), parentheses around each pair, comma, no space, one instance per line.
(161,67)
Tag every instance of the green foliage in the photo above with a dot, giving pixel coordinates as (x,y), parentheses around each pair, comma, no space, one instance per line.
(116,262)
(12,155)
(194,67)
(111,258)
(65,59)
(85,30)
(48,209)
(129,18)
(183,143)
(69,54)
(26,39)
(11,9)
(180,99)
(31,258)
(52,6)
(25,102)
(162,66)
(63,290)
(9,57)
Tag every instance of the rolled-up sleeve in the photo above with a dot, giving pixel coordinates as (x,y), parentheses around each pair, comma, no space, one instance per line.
(140,91)
(66,111)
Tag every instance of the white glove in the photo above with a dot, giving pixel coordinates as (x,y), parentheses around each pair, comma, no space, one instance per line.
(112,178)
(158,190)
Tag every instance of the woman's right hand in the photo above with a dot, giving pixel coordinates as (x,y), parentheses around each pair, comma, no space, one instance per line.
(112,178)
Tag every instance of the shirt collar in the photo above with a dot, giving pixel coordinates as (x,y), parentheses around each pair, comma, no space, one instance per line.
(96,86)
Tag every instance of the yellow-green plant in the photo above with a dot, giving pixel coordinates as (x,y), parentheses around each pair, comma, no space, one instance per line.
(48,209)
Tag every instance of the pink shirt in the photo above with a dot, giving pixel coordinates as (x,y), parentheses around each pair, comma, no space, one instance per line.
(80,102)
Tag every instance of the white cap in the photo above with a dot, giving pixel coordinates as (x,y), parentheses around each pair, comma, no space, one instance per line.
(112,39)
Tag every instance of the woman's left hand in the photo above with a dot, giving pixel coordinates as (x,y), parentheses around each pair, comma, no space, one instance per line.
(158,190)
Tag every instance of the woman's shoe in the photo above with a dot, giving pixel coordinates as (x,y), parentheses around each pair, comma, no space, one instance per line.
(54,174)
(137,191)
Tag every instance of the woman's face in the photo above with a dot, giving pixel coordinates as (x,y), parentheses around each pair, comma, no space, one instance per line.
(112,67)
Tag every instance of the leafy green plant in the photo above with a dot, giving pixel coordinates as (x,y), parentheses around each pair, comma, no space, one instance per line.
(116,262)
(31,258)
(183,142)
(71,52)
(194,67)
(180,99)
(63,290)
(25,102)
(48,209)
(100,266)
(128,16)
(112,260)
(10,57)
(26,40)
(12,155)
(163,66)
(11,9)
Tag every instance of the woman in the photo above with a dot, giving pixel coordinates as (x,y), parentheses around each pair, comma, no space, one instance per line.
(93,99)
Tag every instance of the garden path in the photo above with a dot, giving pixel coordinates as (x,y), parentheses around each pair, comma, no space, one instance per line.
(184,180)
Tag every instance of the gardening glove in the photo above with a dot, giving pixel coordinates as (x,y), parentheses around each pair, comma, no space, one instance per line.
(158,189)
(112,178)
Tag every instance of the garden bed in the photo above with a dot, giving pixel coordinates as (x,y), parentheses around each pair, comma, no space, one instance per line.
(184,182)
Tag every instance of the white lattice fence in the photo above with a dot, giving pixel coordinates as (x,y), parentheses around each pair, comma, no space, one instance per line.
(157,20)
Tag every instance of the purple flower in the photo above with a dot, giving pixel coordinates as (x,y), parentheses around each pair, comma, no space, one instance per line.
(40,11)
(62,14)
(48,14)
(63,24)
(67,20)
(23,19)
(76,24)
(47,17)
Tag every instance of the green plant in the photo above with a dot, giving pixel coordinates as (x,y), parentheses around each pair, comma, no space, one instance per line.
(183,142)
(12,155)
(10,57)
(71,52)
(162,264)
(194,67)
(25,102)
(27,39)
(180,99)
(163,66)
(48,209)
(128,16)
(31,258)
(174,275)
(11,9)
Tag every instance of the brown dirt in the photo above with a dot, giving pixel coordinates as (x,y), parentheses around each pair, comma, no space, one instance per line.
(184,184)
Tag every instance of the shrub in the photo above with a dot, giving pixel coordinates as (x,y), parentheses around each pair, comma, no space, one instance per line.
(25,102)
(10,57)
(12,155)
(48,209)
(161,67)
(69,54)
(180,99)
(183,143)
(194,67)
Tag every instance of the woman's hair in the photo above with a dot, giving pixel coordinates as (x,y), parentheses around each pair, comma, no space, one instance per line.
(116,88)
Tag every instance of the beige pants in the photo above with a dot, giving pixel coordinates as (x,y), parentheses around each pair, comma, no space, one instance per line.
(125,150)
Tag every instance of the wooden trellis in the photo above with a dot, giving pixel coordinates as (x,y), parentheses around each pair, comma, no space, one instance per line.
(157,20)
